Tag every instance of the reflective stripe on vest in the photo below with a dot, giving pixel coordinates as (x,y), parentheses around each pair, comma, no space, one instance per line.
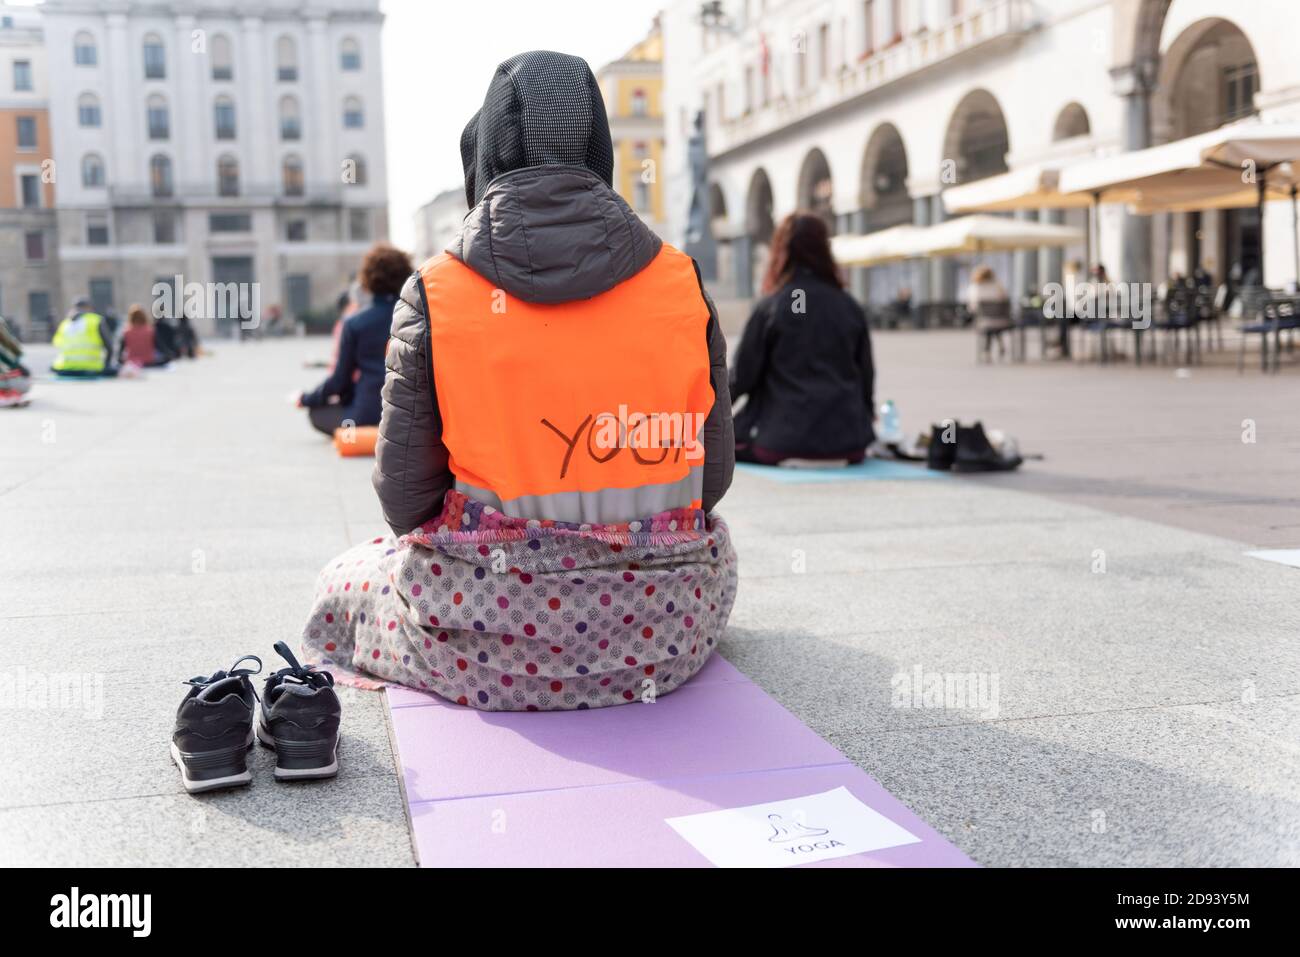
(585,411)
(79,343)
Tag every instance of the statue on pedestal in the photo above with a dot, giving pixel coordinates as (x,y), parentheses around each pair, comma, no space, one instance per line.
(699,233)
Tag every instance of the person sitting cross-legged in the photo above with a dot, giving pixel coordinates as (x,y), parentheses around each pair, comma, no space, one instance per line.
(556,433)
(84,344)
(804,363)
(350,394)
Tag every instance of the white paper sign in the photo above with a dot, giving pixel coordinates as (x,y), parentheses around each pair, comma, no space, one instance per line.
(797,831)
(1283,556)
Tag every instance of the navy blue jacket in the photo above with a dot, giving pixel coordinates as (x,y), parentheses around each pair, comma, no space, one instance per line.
(362,343)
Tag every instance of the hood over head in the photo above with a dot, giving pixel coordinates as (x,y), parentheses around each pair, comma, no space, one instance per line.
(544,223)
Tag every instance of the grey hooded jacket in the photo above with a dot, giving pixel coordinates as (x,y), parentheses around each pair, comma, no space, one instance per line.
(547,228)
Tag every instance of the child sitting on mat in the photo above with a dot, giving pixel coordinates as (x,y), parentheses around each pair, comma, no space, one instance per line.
(556,432)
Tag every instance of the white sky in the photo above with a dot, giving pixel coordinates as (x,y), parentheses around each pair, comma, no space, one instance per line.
(438,58)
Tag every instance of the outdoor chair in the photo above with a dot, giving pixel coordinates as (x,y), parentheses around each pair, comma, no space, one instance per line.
(1031,317)
(1101,329)
(940,315)
(1178,322)
(1212,310)
(1277,317)
(993,321)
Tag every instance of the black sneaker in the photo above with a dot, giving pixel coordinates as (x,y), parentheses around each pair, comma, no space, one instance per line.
(940,455)
(214,729)
(975,453)
(300,720)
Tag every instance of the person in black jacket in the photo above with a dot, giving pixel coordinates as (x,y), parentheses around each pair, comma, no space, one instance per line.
(351,392)
(804,361)
(187,340)
(165,338)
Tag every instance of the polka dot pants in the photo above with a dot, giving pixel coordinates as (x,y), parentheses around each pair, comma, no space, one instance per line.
(542,619)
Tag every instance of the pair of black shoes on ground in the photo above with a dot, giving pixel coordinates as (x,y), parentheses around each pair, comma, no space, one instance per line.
(965,448)
(299,719)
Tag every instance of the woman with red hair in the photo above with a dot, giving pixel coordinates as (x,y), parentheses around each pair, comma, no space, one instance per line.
(804,362)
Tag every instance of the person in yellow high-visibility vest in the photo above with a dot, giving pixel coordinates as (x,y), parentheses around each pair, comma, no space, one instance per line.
(84,341)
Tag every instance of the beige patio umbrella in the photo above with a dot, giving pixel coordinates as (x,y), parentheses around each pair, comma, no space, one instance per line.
(985,234)
(1030,187)
(1231,167)
(874,249)
(1027,188)
(953,237)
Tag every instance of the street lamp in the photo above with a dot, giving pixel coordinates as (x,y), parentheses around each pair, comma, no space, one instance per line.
(713,17)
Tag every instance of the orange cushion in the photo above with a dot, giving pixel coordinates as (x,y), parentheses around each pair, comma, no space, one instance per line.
(356,440)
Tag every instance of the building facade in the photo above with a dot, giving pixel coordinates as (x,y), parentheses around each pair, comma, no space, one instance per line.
(867,110)
(632,87)
(233,143)
(438,222)
(29,268)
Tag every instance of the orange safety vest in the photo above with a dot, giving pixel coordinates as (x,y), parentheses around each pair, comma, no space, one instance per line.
(584,411)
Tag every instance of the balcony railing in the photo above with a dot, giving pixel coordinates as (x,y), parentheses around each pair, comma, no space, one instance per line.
(201,194)
(896,59)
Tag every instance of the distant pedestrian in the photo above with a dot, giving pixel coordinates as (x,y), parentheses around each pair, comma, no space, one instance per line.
(138,342)
(83,344)
(165,338)
(351,392)
(986,298)
(900,310)
(804,363)
(187,340)
(15,379)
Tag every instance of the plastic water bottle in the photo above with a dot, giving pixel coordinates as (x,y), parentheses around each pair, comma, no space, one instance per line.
(891,429)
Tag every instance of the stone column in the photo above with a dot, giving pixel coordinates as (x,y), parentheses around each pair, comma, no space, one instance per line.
(921,291)
(324,165)
(1134,82)
(187,111)
(256,101)
(943,271)
(1050,258)
(1025,268)
(119,102)
(742,251)
(858,282)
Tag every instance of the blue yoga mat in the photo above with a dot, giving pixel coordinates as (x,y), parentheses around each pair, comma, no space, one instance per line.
(866,470)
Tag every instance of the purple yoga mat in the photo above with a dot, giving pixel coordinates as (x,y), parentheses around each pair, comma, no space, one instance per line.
(593,788)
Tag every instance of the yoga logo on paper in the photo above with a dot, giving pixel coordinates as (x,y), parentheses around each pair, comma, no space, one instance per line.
(776,833)
(784,831)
